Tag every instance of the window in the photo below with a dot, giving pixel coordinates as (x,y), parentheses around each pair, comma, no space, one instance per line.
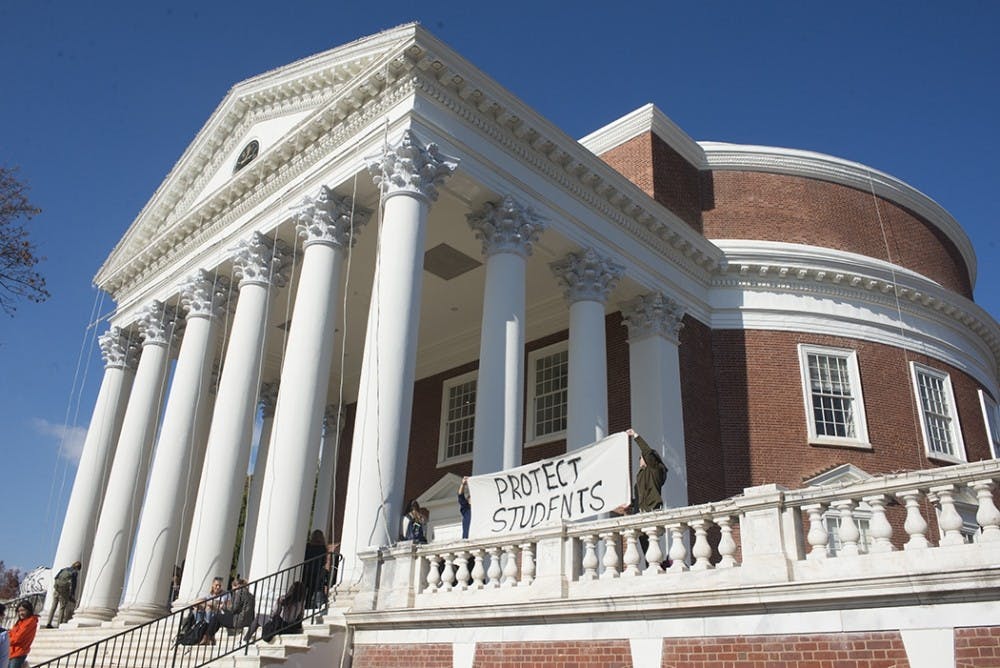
(938,417)
(548,380)
(831,386)
(862,520)
(991,418)
(458,419)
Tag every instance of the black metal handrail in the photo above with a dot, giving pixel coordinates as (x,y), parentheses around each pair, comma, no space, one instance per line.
(10,613)
(174,640)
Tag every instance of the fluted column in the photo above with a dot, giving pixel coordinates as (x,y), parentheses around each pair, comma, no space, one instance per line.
(322,512)
(120,352)
(260,264)
(328,225)
(408,175)
(654,323)
(178,456)
(268,402)
(588,278)
(102,589)
(507,231)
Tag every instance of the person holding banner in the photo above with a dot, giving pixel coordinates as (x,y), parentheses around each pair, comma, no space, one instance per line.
(649,479)
(464,506)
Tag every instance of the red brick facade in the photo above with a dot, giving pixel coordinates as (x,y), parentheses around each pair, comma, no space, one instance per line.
(554,654)
(842,650)
(430,655)
(977,647)
(793,209)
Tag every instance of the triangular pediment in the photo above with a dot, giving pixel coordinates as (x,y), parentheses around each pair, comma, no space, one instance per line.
(269,109)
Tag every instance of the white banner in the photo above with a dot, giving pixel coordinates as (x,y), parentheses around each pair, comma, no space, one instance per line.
(579,484)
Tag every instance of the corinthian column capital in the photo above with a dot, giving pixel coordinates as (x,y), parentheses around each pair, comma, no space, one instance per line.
(160,325)
(204,295)
(587,276)
(653,314)
(262,261)
(329,219)
(119,349)
(507,227)
(411,168)
(268,399)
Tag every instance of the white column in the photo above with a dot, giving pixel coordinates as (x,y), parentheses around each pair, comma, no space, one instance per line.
(120,354)
(102,589)
(328,226)
(178,455)
(654,323)
(322,512)
(268,402)
(260,263)
(507,231)
(408,175)
(588,278)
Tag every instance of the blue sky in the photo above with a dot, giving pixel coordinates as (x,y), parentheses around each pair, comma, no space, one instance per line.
(99,102)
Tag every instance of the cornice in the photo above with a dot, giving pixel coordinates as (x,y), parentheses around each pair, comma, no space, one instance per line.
(838,275)
(808,164)
(647,118)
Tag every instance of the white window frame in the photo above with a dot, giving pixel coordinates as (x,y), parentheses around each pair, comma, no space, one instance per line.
(446,387)
(531,438)
(991,418)
(955,428)
(862,516)
(860,440)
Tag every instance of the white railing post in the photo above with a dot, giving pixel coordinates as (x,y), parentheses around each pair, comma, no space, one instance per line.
(701,551)
(727,546)
(448,573)
(478,570)
(950,521)
(462,574)
(763,528)
(509,566)
(610,555)
(433,573)
(527,563)
(915,524)
(654,555)
(817,536)
(878,526)
(631,556)
(677,551)
(987,515)
(494,572)
(590,561)
(551,567)
(849,534)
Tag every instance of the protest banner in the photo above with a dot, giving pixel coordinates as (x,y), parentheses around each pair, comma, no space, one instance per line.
(580,484)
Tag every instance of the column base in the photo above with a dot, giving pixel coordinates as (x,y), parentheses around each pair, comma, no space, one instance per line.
(90,617)
(140,614)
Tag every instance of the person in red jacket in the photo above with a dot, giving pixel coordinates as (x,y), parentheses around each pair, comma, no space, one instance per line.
(22,634)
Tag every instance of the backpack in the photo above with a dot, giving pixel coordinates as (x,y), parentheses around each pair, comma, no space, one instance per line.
(192,631)
(64,578)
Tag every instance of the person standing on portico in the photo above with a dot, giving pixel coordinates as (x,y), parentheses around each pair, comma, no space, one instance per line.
(408,174)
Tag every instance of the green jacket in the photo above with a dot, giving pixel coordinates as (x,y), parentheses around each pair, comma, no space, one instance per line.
(649,480)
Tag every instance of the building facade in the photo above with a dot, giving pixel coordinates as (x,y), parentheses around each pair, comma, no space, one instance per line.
(406,275)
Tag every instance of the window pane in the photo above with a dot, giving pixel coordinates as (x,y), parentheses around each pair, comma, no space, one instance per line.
(832,398)
(460,420)
(551,378)
(936,412)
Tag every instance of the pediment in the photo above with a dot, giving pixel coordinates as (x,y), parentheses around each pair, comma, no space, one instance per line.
(272,109)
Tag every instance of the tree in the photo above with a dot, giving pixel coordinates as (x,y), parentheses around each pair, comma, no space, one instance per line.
(10,581)
(18,278)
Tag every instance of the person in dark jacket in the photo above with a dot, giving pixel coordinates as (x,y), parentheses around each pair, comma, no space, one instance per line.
(649,479)
(465,506)
(64,593)
(237,611)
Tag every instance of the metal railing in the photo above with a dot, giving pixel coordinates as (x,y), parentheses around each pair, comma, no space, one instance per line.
(10,613)
(206,630)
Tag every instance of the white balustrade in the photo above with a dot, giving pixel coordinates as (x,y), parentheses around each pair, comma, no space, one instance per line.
(632,556)
(677,551)
(987,515)
(654,555)
(610,560)
(701,551)
(727,546)
(878,526)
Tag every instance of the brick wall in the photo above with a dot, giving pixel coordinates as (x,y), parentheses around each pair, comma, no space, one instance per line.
(431,655)
(778,207)
(843,650)
(554,654)
(660,171)
(702,439)
(977,647)
(764,436)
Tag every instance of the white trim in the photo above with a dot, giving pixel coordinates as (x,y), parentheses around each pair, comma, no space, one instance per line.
(991,420)
(446,387)
(860,440)
(533,356)
(647,118)
(959,455)
(721,156)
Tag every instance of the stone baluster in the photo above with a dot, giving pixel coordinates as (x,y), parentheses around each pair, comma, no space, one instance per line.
(654,555)
(433,573)
(632,556)
(878,526)
(849,534)
(610,560)
(817,537)
(677,551)
(702,551)
(915,524)
(448,574)
(987,515)
(950,521)
(478,570)
(727,546)
(527,563)
(590,561)
(462,574)
(494,572)
(509,566)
